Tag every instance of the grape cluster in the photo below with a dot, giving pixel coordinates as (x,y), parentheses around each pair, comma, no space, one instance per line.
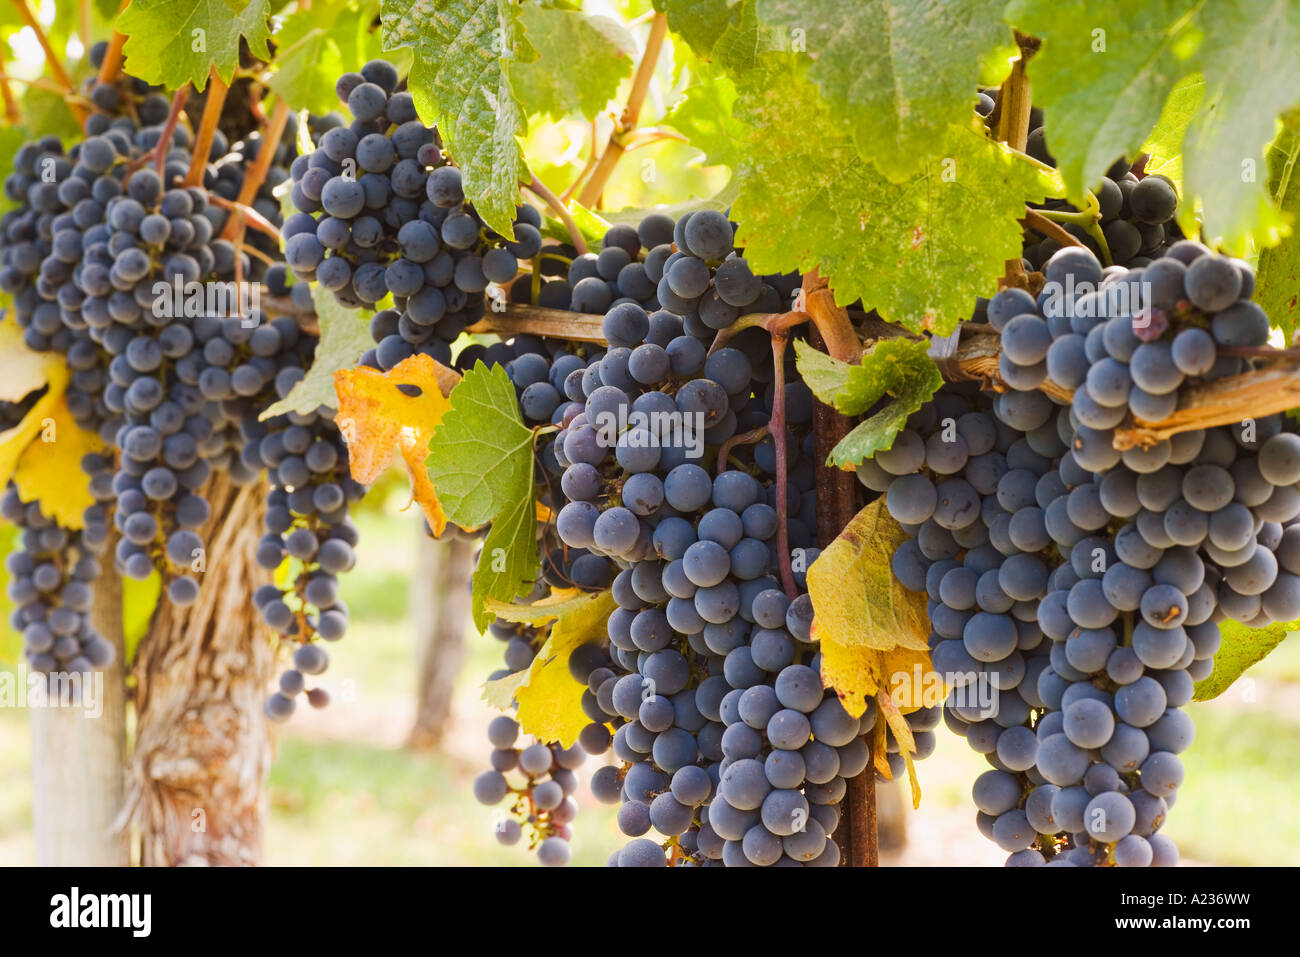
(381,212)
(52,573)
(1088,579)
(542,807)
(307,522)
(1134,214)
(687,269)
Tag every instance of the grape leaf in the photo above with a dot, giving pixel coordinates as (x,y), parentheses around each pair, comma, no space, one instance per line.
(1277,285)
(314,47)
(460,80)
(900,73)
(139,602)
(173,42)
(867,624)
(14,441)
(1106,70)
(344,336)
(919,252)
(897,368)
(46,113)
(49,470)
(548,696)
(378,412)
(704,116)
(591,225)
(1242,647)
(25,369)
(1164,147)
(580,62)
(481,463)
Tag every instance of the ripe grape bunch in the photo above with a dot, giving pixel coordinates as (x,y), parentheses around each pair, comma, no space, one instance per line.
(175,394)
(381,211)
(728,744)
(1085,565)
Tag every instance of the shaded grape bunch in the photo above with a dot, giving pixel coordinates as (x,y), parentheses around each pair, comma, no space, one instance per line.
(51,577)
(1135,212)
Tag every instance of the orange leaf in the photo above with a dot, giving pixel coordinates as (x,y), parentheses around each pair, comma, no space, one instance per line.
(398,409)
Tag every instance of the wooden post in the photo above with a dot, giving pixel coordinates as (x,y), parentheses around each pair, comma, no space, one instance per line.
(79,760)
(440,607)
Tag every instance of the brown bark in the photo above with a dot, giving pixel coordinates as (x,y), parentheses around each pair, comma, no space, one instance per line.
(440,606)
(78,761)
(202,748)
(837,503)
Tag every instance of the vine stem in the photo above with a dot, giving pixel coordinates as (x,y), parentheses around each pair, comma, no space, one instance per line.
(52,60)
(776,425)
(615,149)
(83,23)
(837,503)
(587,167)
(251,216)
(1039,223)
(217,90)
(165,138)
(744,438)
(256,175)
(113,55)
(12,113)
(650,135)
(542,191)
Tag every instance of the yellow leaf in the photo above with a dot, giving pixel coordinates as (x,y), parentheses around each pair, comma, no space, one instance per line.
(49,470)
(903,735)
(873,632)
(550,700)
(380,411)
(25,370)
(13,442)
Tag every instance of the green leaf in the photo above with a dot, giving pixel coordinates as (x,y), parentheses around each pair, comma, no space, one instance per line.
(139,602)
(581,61)
(591,225)
(1242,647)
(899,72)
(317,45)
(898,369)
(1106,69)
(173,42)
(460,81)
(919,252)
(1164,147)
(1277,284)
(344,336)
(46,113)
(481,462)
(704,116)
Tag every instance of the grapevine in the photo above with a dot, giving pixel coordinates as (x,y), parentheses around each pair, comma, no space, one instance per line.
(922,376)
